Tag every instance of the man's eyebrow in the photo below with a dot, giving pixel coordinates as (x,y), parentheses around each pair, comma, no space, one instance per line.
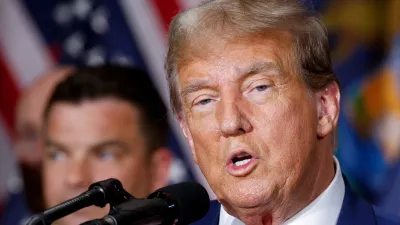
(108,143)
(192,87)
(48,142)
(260,67)
(257,67)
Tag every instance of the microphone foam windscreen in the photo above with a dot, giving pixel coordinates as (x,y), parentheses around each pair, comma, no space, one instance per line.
(192,199)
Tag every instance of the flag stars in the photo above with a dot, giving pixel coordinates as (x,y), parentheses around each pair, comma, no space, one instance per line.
(122,59)
(82,8)
(98,21)
(177,172)
(95,56)
(63,14)
(85,27)
(74,44)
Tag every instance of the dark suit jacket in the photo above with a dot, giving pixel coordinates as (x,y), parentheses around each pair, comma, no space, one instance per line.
(16,211)
(355,211)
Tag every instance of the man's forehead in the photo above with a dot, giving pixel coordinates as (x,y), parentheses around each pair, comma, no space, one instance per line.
(92,126)
(97,117)
(31,106)
(231,51)
(250,60)
(200,73)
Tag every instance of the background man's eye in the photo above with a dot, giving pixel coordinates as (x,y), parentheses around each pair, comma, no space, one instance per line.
(205,101)
(106,155)
(57,155)
(261,87)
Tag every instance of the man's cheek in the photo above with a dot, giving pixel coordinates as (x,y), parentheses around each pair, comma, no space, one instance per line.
(53,197)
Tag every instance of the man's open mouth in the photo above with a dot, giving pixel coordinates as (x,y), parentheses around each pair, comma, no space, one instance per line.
(241,159)
(241,163)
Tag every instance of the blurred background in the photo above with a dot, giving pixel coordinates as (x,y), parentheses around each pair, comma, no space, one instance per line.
(36,36)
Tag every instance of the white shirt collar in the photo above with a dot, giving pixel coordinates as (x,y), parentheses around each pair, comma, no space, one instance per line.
(325,209)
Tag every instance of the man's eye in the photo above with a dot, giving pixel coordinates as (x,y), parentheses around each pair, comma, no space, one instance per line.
(106,155)
(57,155)
(262,87)
(205,101)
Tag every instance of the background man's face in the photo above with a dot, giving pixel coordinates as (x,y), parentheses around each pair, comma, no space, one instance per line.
(28,126)
(250,120)
(89,142)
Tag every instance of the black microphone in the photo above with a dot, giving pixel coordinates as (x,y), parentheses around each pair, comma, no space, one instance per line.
(98,194)
(181,204)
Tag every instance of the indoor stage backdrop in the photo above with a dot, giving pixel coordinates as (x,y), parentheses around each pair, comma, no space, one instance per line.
(37,35)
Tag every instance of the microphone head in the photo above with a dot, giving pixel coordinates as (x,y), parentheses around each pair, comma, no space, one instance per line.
(192,200)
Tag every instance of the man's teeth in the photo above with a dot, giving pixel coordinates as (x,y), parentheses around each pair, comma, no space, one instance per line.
(242,162)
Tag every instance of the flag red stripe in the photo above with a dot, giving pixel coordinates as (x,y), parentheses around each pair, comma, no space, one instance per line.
(55,52)
(9,93)
(167,9)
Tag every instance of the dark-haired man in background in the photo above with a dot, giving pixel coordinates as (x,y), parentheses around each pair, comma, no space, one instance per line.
(104,122)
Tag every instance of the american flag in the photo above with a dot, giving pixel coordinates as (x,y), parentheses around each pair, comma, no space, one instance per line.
(37,35)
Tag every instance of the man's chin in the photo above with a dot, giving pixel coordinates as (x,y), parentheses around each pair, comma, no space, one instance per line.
(247,199)
(243,203)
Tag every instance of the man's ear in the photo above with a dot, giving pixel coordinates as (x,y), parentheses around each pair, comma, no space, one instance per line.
(328,106)
(161,160)
(188,135)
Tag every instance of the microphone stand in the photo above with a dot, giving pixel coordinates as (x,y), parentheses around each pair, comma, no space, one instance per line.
(157,209)
(99,194)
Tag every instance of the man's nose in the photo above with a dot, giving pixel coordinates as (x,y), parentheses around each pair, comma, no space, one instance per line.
(232,119)
(77,174)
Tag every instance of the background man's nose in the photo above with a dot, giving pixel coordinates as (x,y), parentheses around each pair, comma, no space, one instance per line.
(78,174)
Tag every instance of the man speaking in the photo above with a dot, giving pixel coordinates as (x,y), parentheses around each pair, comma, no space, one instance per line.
(252,85)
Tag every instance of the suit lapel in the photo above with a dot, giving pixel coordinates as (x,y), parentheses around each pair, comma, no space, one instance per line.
(355,210)
(212,216)
(216,208)
(216,220)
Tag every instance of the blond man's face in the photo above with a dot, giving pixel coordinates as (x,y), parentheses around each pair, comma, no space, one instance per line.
(252,124)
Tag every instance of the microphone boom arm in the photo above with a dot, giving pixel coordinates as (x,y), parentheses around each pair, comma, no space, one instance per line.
(99,194)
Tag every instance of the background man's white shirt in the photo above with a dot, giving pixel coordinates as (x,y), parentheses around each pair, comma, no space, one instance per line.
(325,209)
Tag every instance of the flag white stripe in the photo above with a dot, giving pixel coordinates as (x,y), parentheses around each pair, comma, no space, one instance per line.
(148,31)
(21,45)
(27,58)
